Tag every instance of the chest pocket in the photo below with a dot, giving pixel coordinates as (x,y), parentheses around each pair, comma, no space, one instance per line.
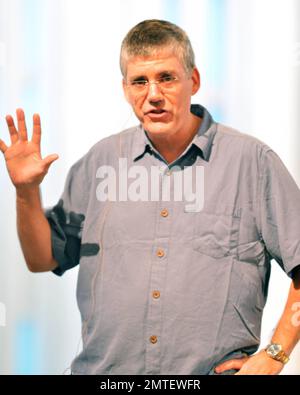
(216,231)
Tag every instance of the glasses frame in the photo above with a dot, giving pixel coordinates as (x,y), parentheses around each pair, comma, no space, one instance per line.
(137,89)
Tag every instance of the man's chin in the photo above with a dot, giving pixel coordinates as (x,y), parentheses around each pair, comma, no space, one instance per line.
(157,128)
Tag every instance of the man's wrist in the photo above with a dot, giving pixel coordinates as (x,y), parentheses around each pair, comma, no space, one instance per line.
(276,351)
(27,195)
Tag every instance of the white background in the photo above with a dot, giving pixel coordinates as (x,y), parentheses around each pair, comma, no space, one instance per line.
(60,58)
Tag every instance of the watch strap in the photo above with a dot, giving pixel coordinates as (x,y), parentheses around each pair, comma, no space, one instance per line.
(282,357)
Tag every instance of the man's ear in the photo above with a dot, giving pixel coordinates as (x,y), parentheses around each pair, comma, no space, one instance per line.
(125,90)
(196,79)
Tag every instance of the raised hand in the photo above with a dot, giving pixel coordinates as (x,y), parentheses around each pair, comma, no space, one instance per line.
(24,162)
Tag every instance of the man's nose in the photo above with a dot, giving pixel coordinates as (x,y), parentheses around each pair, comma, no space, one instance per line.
(154,92)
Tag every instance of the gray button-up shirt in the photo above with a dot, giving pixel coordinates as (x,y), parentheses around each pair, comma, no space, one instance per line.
(166,286)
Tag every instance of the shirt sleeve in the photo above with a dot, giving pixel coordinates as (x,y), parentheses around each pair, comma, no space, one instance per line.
(67,218)
(279,212)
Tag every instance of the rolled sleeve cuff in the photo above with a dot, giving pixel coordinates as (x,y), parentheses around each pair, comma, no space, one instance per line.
(61,245)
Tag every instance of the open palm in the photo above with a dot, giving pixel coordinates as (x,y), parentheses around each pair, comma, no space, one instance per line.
(23,157)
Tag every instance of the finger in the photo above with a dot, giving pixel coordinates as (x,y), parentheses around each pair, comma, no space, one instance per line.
(14,136)
(22,124)
(49,160)
(37,130)
(3,146)
(232,364)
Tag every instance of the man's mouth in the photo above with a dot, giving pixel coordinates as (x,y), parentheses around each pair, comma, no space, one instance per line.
(158,115)
(156,111)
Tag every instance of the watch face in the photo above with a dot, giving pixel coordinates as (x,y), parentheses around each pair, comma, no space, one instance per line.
(274,349)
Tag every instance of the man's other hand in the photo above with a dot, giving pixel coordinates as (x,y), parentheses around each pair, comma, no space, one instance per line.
(258,364)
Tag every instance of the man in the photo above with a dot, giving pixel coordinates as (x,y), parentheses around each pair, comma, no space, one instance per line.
(165,286)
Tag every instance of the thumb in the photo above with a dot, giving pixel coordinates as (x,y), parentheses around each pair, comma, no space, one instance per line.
(231,364)
(47,162)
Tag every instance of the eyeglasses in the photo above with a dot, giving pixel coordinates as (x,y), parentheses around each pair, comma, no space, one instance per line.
(166,84)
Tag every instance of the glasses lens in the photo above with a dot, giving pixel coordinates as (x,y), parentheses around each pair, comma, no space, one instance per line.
(165,83)
(138,86)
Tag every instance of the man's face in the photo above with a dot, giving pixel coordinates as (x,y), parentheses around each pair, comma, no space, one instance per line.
(163,107)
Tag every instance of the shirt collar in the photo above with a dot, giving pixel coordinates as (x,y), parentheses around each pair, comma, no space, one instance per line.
(203,138)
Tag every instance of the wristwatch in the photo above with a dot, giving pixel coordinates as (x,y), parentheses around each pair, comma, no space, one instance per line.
(276,352)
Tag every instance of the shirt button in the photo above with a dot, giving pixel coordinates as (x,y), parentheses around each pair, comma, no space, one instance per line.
(160,253)
(156,294)
(168,172)
(164,213)
(153,339)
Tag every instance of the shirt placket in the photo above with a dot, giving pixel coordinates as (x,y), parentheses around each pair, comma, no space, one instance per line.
(159,262)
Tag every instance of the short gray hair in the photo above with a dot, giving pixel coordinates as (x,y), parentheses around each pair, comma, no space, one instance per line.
(149,36)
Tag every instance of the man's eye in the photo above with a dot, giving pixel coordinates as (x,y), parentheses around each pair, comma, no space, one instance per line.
(139,83)
(166,78)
